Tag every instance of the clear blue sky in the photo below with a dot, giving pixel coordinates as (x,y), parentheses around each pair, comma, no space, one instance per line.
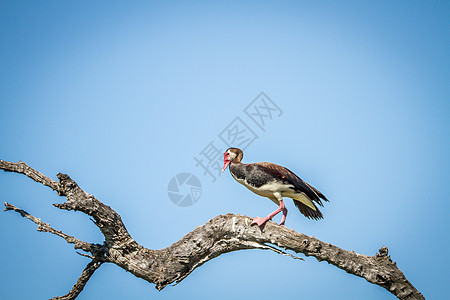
(122,96)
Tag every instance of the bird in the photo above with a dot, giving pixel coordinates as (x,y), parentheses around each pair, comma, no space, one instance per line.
(274,182)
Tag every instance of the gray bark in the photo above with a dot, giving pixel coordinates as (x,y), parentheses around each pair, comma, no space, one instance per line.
(222,234)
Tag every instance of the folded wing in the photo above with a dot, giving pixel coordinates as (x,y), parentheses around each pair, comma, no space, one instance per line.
(304,195)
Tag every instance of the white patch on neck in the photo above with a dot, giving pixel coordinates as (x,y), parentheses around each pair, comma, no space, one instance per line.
(232,155)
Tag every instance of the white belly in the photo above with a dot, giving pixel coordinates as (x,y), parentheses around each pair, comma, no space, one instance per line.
(268,189)
(286,190)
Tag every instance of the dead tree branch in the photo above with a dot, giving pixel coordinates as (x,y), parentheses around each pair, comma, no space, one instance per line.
(44,227)
(222,234)
(79,286)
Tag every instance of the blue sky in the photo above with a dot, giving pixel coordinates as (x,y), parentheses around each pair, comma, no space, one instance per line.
(123,96)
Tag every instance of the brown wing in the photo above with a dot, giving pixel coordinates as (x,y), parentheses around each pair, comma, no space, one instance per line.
(285,175)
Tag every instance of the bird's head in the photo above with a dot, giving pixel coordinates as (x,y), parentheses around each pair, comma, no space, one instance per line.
(232,154)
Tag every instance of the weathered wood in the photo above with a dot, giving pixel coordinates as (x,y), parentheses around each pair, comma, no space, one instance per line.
(222,234)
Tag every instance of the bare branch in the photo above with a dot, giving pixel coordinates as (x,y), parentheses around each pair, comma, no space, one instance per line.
(98,251)
(45,227)
(81,283)
(108,221)
(222,234)
(230,232)
(23,168)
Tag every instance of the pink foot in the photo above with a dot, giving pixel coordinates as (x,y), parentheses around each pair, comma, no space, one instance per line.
(259,221)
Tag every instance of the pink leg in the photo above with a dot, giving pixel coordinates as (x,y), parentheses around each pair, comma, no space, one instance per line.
(283,218)
(261,221)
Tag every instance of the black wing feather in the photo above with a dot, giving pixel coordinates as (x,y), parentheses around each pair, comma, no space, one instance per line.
(308,211)
(285,175)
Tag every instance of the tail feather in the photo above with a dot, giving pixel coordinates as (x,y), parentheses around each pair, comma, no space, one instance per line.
(308,211)
(318,195)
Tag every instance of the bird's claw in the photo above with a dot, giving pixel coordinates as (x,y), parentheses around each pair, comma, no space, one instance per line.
(262,221)
(259,221)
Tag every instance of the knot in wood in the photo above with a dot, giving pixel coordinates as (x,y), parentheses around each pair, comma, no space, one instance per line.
(383,252)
